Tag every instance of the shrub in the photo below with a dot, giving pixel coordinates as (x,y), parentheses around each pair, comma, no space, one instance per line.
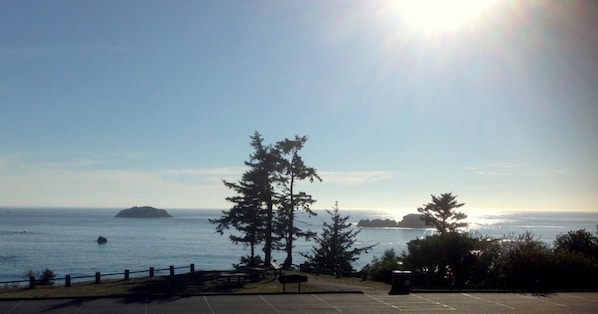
(574,271)
(381,268)
(524,263)
(449,259)
(42,278)
(247,261)
(580,241)
(453,260)
(576,261)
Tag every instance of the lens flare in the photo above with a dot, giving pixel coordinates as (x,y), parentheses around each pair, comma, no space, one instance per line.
(437,16)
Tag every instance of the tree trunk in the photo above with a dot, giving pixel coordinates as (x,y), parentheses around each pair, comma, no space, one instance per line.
(252,257)
(291,213)
(268,245)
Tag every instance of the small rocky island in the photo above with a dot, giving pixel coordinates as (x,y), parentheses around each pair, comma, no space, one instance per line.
(143,212)
(414,221)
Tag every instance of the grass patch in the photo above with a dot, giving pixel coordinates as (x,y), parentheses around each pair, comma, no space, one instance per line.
(198,283)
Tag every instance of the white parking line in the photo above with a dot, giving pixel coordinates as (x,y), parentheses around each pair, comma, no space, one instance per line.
(14,307)
(488,301)
(444,306)
(544,301)
(209,305)
(334,307)
(270,305)
(380,301)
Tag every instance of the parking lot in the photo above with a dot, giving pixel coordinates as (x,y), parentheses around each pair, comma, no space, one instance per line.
(379,302)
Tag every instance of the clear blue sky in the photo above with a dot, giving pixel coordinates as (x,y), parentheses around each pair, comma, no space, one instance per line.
(124,103)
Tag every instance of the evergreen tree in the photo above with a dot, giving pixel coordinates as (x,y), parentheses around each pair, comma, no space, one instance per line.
(334,249)
(291,169)
(252,214)
(249,214)
(441,213)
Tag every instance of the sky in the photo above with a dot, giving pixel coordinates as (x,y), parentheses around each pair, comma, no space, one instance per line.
(129,103)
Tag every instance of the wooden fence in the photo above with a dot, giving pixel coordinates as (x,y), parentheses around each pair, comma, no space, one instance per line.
(98,276)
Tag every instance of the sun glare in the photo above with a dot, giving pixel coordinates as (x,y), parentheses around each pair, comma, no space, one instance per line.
(440,16)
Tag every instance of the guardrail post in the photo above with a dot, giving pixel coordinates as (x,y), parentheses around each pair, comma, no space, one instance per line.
(31,282)
(151,271)
(171,270)
(126,274)
(192,268)
(67,280)
(98,276)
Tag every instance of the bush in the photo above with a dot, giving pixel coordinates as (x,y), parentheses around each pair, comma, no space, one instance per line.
(574,271)
(381,268)
(247,261)
(580,241)
(454,260)
(450,260)
(524,263)
(42,278)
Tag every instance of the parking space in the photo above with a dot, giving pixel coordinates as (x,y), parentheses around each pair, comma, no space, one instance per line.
(412,302)
(378,302)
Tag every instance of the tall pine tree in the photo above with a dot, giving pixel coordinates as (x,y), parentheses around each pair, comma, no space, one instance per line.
(251,212)
(291,169)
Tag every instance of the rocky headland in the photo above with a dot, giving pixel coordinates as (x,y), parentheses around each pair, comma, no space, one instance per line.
(414,221)
(143,212)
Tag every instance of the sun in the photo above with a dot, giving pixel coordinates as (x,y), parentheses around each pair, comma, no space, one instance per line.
(441,16)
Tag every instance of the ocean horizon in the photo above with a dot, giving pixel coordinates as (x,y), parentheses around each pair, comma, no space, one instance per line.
(64,239)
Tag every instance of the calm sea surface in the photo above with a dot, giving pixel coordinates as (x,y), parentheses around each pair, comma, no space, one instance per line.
(64,240)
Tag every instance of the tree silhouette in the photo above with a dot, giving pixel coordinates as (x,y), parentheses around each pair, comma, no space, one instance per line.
(251,213)
(292,169)
(334,249)
(269,182)
(442,213)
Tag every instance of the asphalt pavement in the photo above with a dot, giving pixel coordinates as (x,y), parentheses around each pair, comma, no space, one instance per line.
(374,302)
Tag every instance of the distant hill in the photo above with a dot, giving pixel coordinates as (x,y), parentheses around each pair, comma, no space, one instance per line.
(143,212)
(409,221)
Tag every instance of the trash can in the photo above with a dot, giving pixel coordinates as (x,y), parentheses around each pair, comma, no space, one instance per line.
(401,282)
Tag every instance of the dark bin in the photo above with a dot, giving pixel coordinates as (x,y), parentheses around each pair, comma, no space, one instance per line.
(401,282)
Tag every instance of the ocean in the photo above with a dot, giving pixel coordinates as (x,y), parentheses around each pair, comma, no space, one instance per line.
(64,240)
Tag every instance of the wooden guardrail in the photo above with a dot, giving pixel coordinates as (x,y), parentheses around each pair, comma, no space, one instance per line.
(126,274)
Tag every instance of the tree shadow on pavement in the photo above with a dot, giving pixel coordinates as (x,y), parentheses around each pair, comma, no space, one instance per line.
(175,287)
